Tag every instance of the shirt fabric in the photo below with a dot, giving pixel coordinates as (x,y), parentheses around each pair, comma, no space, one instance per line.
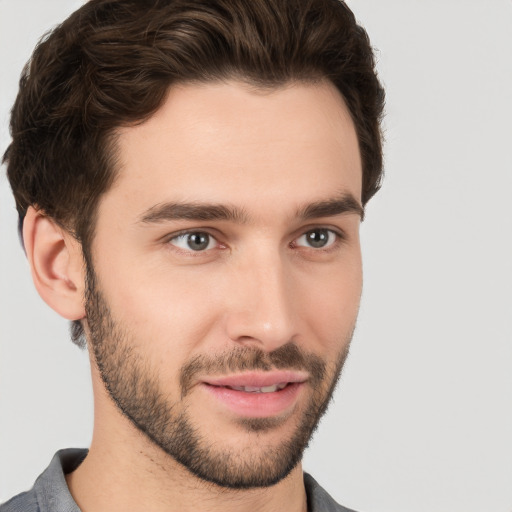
(51,494)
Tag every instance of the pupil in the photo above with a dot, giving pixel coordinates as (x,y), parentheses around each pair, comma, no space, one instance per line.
(198,241)
(318,238)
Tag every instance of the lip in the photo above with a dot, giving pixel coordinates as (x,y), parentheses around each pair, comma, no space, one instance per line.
(256,405)
(257,379)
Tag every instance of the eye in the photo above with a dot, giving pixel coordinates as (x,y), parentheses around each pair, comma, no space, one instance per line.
(194,241)
(319,238)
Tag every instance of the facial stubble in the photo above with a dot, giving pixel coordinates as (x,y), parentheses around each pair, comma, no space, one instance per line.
(134,387)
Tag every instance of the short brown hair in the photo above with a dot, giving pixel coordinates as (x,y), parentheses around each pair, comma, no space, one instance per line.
(112,62)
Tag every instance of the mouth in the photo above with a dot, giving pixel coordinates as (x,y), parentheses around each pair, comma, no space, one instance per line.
(256,381)
(255,389)
(257,394)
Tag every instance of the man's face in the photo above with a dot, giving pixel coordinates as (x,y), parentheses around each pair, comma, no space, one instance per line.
(227,274)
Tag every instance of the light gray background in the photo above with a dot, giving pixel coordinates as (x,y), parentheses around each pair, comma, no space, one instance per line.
(422,420)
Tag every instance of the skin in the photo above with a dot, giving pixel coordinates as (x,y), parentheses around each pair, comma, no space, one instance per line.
(258,285)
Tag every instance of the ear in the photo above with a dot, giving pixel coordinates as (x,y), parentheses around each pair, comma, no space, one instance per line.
(56,263)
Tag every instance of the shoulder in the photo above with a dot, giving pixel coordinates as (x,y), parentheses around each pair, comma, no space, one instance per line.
(24,502)
(319,500)
(50,492)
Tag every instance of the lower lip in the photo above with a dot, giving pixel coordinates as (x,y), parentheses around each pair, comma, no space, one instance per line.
(256,405)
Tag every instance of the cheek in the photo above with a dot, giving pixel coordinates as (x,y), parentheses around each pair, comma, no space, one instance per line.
(165,312)
(333,306)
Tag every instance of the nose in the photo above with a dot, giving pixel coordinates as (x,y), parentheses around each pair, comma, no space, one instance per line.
(262,311)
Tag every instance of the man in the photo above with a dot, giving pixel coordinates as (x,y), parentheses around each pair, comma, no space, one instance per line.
(190,178)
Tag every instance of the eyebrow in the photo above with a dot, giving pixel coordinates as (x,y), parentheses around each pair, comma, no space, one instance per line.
(347,203)
(207,212)
(192,211)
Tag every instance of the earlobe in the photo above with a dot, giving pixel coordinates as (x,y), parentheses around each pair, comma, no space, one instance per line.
(56,263)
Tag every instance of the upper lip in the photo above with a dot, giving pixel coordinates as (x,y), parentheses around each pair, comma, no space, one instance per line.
(257,379)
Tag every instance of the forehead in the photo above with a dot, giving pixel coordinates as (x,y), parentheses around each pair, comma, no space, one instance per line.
(230,143)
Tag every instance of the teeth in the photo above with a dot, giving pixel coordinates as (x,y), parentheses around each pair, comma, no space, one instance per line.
(265,389)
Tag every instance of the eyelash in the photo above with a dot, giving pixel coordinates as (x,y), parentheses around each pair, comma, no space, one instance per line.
(338,235)
(185,234)
(330,233)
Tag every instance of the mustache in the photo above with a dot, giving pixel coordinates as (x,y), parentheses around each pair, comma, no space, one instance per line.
(240,358)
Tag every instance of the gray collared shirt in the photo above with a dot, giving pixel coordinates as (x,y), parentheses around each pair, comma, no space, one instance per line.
(51,494)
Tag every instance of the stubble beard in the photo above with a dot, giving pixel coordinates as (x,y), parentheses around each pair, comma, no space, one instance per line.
(134,387)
